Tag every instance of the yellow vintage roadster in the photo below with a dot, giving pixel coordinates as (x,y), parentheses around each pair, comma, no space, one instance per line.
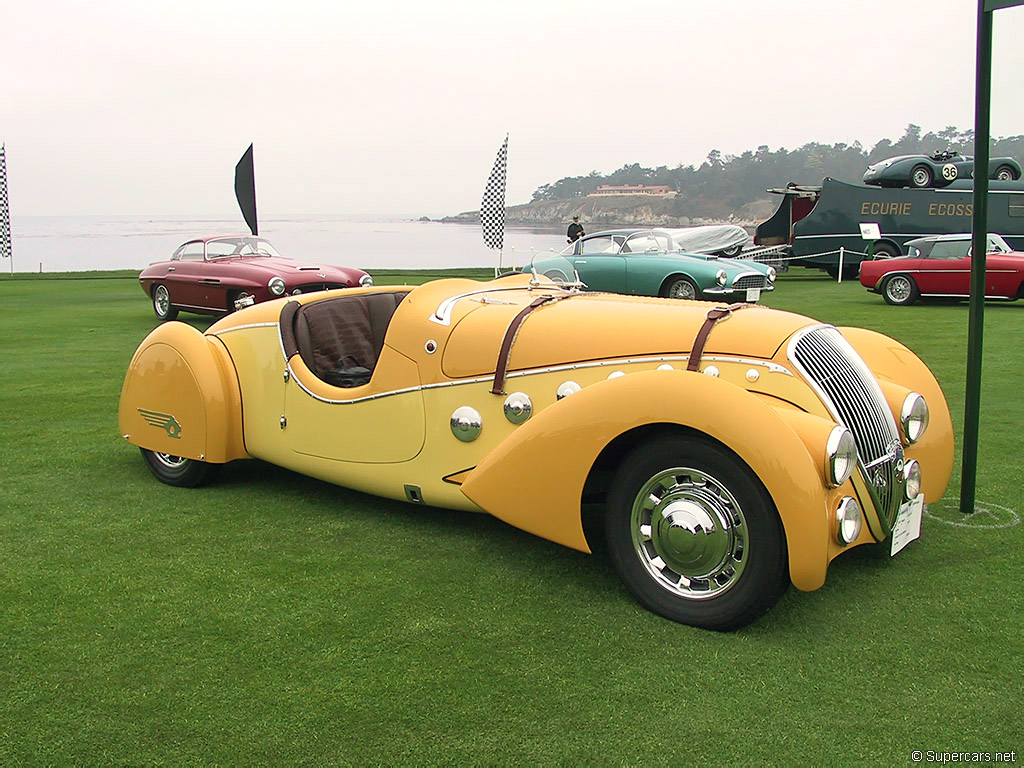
(735,449)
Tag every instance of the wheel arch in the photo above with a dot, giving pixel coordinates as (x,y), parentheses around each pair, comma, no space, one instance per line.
(888,243)
(663,287)
(562,457)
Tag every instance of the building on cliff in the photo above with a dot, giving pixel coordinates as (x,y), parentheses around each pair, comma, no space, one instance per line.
(606,190)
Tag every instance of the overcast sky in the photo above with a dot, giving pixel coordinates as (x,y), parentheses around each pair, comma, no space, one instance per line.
(379,106)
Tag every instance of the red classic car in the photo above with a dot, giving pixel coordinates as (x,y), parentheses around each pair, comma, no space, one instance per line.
(217,275)
(941,266)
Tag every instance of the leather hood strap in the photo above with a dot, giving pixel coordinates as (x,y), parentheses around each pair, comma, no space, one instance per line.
(501,367)
(713,317)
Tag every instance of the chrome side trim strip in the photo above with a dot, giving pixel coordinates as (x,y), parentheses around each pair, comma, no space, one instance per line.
(773,367)
(443,314)
(246,327)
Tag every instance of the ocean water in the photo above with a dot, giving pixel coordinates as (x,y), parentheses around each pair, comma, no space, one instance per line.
(81,243)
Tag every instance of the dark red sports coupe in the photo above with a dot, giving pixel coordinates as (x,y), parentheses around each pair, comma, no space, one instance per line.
(941,266)
(217,275)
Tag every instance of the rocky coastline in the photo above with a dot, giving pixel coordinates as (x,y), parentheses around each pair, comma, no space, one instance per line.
(604,212)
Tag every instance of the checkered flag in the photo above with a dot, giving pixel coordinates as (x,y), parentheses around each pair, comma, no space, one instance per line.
(492,209)
(5,211)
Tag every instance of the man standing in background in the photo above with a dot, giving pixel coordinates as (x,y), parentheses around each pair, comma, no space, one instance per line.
(575,230)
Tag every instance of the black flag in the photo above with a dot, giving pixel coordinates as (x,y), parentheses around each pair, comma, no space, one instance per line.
(245,189)
(492,209)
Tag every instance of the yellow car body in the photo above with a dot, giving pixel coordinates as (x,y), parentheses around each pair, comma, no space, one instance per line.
(560,419)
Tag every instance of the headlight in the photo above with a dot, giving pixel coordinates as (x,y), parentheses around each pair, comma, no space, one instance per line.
(914,417)
(849,520)
(721,277)
(365,281)
(912,474)
(771,274)
(840,456)
(276,286)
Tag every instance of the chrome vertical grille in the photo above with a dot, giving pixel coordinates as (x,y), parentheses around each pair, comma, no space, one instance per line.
(849,390)
(743,282)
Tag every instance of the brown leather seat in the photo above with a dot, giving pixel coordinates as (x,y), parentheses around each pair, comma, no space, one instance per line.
(353,327)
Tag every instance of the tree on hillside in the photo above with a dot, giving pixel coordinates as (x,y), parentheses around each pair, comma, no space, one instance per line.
(725,183)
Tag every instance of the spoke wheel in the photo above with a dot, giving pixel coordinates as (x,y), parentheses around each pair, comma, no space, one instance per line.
(178,470)
(900,290)
(162,304)
(694,535)
(682,288)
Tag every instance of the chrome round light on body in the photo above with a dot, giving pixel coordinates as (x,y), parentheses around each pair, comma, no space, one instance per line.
(466,423)
(711,370)
(840,455)
(518,407)
(365,281)
(616,374)
(665,367)
(276,286)
(772,274)
(912,474)
(849,520)
(721,278)
(567,388)
(914,417)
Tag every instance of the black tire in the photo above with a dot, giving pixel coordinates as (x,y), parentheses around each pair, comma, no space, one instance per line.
(685,509)
(884,251)
(849,271)
(1004,173)
(900,290)
(681,288)
(731,253)
(179,471)
(921,176)
(162,306)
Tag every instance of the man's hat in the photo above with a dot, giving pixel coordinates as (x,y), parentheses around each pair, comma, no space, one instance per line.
(575,218)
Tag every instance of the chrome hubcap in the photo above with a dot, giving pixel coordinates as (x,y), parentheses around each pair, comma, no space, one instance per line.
(920,178)
(690,533)
(899,288)
(162,300)
(169,461)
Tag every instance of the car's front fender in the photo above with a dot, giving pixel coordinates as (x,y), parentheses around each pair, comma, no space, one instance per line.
(534,480)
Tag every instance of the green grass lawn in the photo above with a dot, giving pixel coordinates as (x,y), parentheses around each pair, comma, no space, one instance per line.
(270,618)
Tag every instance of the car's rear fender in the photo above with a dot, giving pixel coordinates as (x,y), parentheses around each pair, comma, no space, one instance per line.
(550,458)
(181,397)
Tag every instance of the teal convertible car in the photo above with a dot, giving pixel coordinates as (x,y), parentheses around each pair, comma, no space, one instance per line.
(649,263)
